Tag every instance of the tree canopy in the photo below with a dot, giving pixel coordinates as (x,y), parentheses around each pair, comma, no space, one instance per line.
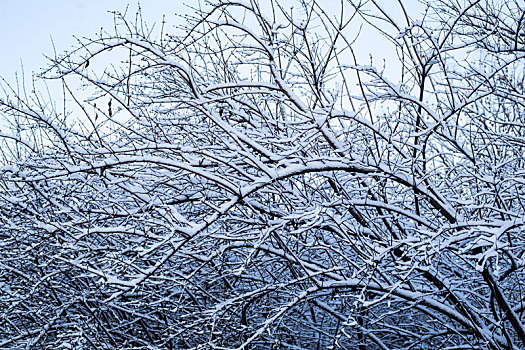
(247,181)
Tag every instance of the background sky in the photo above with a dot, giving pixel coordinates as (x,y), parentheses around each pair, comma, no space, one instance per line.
(27,27)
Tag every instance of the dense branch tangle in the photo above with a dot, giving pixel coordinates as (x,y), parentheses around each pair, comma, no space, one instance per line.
(251,184)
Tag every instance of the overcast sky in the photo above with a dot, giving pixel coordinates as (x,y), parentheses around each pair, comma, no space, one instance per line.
(27,26)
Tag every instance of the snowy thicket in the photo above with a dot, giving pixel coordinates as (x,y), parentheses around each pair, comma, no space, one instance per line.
(250,182)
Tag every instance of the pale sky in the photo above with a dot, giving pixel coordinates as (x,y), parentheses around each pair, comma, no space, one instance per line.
(27,26)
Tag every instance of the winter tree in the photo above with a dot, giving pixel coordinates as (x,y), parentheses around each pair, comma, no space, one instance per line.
(250,181)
